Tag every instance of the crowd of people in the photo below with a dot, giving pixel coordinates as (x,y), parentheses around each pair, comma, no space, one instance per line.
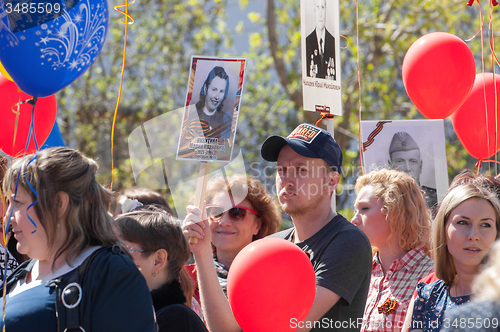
(78,257)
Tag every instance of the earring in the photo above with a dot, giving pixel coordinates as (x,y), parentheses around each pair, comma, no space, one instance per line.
(155,274)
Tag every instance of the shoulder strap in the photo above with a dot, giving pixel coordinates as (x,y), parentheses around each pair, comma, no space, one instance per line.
(69,291)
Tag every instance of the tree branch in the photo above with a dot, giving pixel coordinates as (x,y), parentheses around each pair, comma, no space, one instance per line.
(295,96)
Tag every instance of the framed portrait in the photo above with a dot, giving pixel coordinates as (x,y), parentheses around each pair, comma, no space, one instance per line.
(211,109)
(321,69)
(416,147)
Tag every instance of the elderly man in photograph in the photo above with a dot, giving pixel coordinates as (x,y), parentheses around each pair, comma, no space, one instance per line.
(320,46)
(405,156)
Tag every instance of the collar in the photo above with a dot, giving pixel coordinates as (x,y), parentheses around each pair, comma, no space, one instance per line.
(168,294)
(407,262)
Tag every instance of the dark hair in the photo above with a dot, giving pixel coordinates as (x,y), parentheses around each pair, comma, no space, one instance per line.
(147,197)
(215,72)
(153,228)
(469,176)
(62,169)
(253,191)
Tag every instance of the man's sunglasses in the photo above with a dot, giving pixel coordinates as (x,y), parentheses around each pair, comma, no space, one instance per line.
(236,213)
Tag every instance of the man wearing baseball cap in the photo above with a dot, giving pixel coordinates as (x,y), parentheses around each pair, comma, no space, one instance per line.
(308,164)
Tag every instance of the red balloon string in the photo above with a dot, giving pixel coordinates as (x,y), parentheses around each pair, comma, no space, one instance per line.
(480,162)
(493,59)
(126,22)
(360,142)
(481,19)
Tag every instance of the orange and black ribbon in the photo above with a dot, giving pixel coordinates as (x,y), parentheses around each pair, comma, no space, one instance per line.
(388,307)
(371,137)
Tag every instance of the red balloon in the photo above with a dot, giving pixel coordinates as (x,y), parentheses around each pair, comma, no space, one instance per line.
(438,74)
(271,282)
(474,121)
(45,117)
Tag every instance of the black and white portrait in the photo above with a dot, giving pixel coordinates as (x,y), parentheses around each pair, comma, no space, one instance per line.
(321,67)
(211,109)
(416,147)
(320,45)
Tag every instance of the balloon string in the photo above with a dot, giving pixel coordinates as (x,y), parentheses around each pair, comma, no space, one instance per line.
(480,162)
(493,59)
(347,40)
(127,15)
(17,121)
(360,142)
(481,19)
(324,116)
(31,132)
(126,22)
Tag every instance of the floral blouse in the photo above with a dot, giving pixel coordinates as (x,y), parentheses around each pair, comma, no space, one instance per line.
(431,303)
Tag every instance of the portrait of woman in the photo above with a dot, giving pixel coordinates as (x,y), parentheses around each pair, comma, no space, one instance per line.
(211,109)
(208,111)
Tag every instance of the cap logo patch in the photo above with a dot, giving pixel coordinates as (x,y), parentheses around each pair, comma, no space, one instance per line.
(402,137)
(304,133)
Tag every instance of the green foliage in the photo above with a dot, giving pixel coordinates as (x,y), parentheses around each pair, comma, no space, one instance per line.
(167,33)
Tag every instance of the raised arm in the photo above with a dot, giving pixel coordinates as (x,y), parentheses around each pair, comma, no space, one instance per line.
(216,308)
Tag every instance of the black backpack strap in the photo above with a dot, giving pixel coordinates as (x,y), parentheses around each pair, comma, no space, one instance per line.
(69,293)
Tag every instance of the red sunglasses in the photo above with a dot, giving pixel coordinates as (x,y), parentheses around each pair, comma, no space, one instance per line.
(236,213)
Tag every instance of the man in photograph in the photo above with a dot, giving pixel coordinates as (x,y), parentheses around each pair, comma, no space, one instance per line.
(320,46)
(404,156)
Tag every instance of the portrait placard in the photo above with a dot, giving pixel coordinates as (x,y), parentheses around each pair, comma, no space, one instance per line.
(321,69)
(416,147)
(211,109)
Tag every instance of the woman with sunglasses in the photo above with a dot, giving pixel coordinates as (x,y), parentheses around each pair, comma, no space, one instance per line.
(238,211)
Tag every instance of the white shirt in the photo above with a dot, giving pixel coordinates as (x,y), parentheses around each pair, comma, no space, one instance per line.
(36,280)
(321,36)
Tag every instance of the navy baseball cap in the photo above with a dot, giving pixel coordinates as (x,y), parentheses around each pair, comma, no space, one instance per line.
(308,141)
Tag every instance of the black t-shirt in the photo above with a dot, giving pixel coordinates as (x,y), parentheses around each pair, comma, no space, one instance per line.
(342,260)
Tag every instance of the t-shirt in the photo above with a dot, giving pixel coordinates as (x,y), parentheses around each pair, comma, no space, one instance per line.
(342,260)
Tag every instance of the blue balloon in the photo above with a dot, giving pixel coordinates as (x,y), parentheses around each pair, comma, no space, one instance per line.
(54,139)
(44,49)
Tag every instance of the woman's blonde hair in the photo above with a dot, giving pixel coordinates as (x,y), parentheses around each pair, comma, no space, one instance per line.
(486,286)
(252,190)
(404,207)
(62,169)
(444,266)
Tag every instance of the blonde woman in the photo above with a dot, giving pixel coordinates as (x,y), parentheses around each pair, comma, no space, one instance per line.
(465,227)
(391,210)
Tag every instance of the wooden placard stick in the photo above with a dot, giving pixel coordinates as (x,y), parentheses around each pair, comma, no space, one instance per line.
(201,185)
